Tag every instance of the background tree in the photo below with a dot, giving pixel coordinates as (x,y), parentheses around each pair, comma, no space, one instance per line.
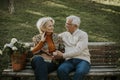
(7,6)
(11,6)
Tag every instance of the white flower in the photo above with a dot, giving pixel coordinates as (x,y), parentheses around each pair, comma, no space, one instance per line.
(31,48)
(1,52)
(13,40)
(14,48)
(8,45)
(27,45)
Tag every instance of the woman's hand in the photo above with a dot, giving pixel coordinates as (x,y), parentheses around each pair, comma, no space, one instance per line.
(43,37)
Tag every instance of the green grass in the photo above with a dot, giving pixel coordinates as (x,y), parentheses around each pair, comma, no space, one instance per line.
(100,20)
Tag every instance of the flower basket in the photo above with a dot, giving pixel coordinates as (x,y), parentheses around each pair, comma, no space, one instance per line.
(18,61)
(17,51)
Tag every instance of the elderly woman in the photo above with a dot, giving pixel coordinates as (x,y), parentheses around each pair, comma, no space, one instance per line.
(46,43)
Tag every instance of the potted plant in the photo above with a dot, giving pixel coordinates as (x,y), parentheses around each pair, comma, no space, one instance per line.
(16,50)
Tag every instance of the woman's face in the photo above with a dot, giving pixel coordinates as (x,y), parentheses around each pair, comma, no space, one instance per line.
(49,27)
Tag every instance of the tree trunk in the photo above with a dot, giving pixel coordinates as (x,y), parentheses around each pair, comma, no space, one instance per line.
(11,6)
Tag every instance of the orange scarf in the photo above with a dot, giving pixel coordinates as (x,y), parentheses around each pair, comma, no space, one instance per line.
(51,46)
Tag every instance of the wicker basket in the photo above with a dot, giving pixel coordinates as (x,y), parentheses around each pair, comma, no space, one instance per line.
(18,61)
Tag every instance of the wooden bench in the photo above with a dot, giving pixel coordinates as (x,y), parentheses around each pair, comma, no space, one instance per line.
(104,59)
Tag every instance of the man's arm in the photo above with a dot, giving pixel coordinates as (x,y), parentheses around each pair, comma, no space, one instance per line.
(81,45)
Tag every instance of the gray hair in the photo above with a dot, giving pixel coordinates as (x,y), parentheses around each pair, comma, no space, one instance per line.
(75,20)
(42,21)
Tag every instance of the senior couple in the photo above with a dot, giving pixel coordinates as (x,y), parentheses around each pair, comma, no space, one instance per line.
(51,49)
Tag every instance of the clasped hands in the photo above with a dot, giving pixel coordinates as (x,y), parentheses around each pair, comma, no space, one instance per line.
(58,55)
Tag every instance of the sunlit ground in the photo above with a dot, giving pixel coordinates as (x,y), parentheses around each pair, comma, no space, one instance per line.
(109,2)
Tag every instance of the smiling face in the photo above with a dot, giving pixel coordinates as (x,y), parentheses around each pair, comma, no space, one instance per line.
(48,27)
(69,26)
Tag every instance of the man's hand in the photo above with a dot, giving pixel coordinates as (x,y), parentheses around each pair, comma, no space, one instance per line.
(58,55)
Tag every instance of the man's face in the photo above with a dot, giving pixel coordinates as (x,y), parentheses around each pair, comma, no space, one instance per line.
(69,26)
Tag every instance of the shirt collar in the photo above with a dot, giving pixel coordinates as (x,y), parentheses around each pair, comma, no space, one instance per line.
(75,31)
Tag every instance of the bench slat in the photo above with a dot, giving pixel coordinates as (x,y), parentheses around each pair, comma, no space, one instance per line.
(30,72)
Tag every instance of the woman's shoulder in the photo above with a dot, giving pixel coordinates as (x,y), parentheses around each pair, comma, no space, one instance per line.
(56,38)
(36,38)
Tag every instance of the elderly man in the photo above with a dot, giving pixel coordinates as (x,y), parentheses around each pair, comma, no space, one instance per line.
(76,55)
